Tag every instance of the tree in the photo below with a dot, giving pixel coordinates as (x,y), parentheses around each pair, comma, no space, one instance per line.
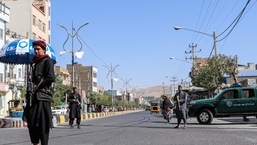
(211,75)
(100,99)
(60,91)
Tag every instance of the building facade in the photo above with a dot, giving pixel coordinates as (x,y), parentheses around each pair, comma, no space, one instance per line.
(4,87)
(30,19)
(20,19)
(85,77)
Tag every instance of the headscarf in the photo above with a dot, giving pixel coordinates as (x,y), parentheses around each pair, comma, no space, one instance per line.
(40,43)
(38,59)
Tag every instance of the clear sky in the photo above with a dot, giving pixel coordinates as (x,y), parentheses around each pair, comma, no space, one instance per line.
(139,36)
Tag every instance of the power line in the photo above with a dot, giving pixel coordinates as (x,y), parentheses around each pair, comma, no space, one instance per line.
(92,51)
(235,21)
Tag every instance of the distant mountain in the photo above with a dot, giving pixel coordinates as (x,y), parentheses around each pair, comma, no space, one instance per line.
(154,91)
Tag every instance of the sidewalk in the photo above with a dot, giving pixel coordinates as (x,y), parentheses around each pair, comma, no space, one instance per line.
(18,123)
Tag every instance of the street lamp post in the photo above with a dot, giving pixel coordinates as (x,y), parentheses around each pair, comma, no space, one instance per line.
(111,70)
(73,33)
(211,35)
(193,65)
(179,59)
(126,84)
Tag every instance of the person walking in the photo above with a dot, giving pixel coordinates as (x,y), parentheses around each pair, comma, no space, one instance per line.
(39,114)
(75,107)
(181,107)
(166,103)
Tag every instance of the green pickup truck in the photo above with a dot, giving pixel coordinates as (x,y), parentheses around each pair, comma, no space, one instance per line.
(234,101)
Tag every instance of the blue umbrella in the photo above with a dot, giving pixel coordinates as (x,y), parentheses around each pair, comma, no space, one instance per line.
(21,52)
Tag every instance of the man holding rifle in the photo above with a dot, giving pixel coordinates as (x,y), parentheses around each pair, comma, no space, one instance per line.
(181,106)
(75,107)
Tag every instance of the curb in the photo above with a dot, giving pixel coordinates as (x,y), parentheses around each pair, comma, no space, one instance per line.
(19,123)
(12,123)
(86,116)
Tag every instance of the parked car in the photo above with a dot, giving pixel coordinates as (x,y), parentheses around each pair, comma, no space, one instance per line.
(106,109)
(59,110)
(148,108)
(234,101)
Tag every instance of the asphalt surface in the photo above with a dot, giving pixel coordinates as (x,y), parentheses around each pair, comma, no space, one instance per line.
(143,128)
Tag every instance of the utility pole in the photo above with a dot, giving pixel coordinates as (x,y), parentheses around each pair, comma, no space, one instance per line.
(174,79)
(192,57)
(163,88)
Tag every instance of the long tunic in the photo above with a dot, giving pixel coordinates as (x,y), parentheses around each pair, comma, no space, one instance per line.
(75,107)
(39,116)
(181,105)
(167,104)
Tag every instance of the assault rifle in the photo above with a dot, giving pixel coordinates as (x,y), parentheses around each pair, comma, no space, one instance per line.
(29,91)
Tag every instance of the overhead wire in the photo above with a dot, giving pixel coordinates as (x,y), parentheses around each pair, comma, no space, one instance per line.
(211,9)
(91,50)
(241,18)
(235,21)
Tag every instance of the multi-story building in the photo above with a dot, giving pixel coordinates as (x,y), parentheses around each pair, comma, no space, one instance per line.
(85,77)
(246,75)
(30,18)
(64,75)
(4,87)
(20,19)
(198,62)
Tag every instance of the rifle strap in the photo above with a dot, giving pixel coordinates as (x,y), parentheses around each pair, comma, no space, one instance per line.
(178,100)
(38,85)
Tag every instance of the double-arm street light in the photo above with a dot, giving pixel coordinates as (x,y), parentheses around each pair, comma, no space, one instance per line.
(193,65)
(174,58)
(112,71)
(74,33)
(211,35)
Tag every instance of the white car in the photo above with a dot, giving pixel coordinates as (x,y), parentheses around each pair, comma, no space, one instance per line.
(59,110)
(106,109)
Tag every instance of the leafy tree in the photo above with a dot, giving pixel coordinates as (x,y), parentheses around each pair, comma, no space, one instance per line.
(100,99)
(211,75)
(60,91)
(23,92)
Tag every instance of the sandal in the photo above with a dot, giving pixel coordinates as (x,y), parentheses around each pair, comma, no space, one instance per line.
(185,126)
(176,127)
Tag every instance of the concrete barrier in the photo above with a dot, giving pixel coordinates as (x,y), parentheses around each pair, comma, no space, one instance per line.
(12,123)
(19,123)
(87,116)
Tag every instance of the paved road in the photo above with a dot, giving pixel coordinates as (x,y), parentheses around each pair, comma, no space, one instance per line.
(143,128)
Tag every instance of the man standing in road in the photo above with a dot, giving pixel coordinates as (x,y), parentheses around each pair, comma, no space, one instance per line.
(181,106)
(75,108)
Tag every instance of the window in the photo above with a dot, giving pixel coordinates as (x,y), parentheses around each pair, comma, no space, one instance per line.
(34,36)
(248,93)
(1,77)
(39,24)
(49,25)
(1,33)
(49,11)
(19,73)
(1,102)
(231,94)
(44,27)
(94,75)
(34,20)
